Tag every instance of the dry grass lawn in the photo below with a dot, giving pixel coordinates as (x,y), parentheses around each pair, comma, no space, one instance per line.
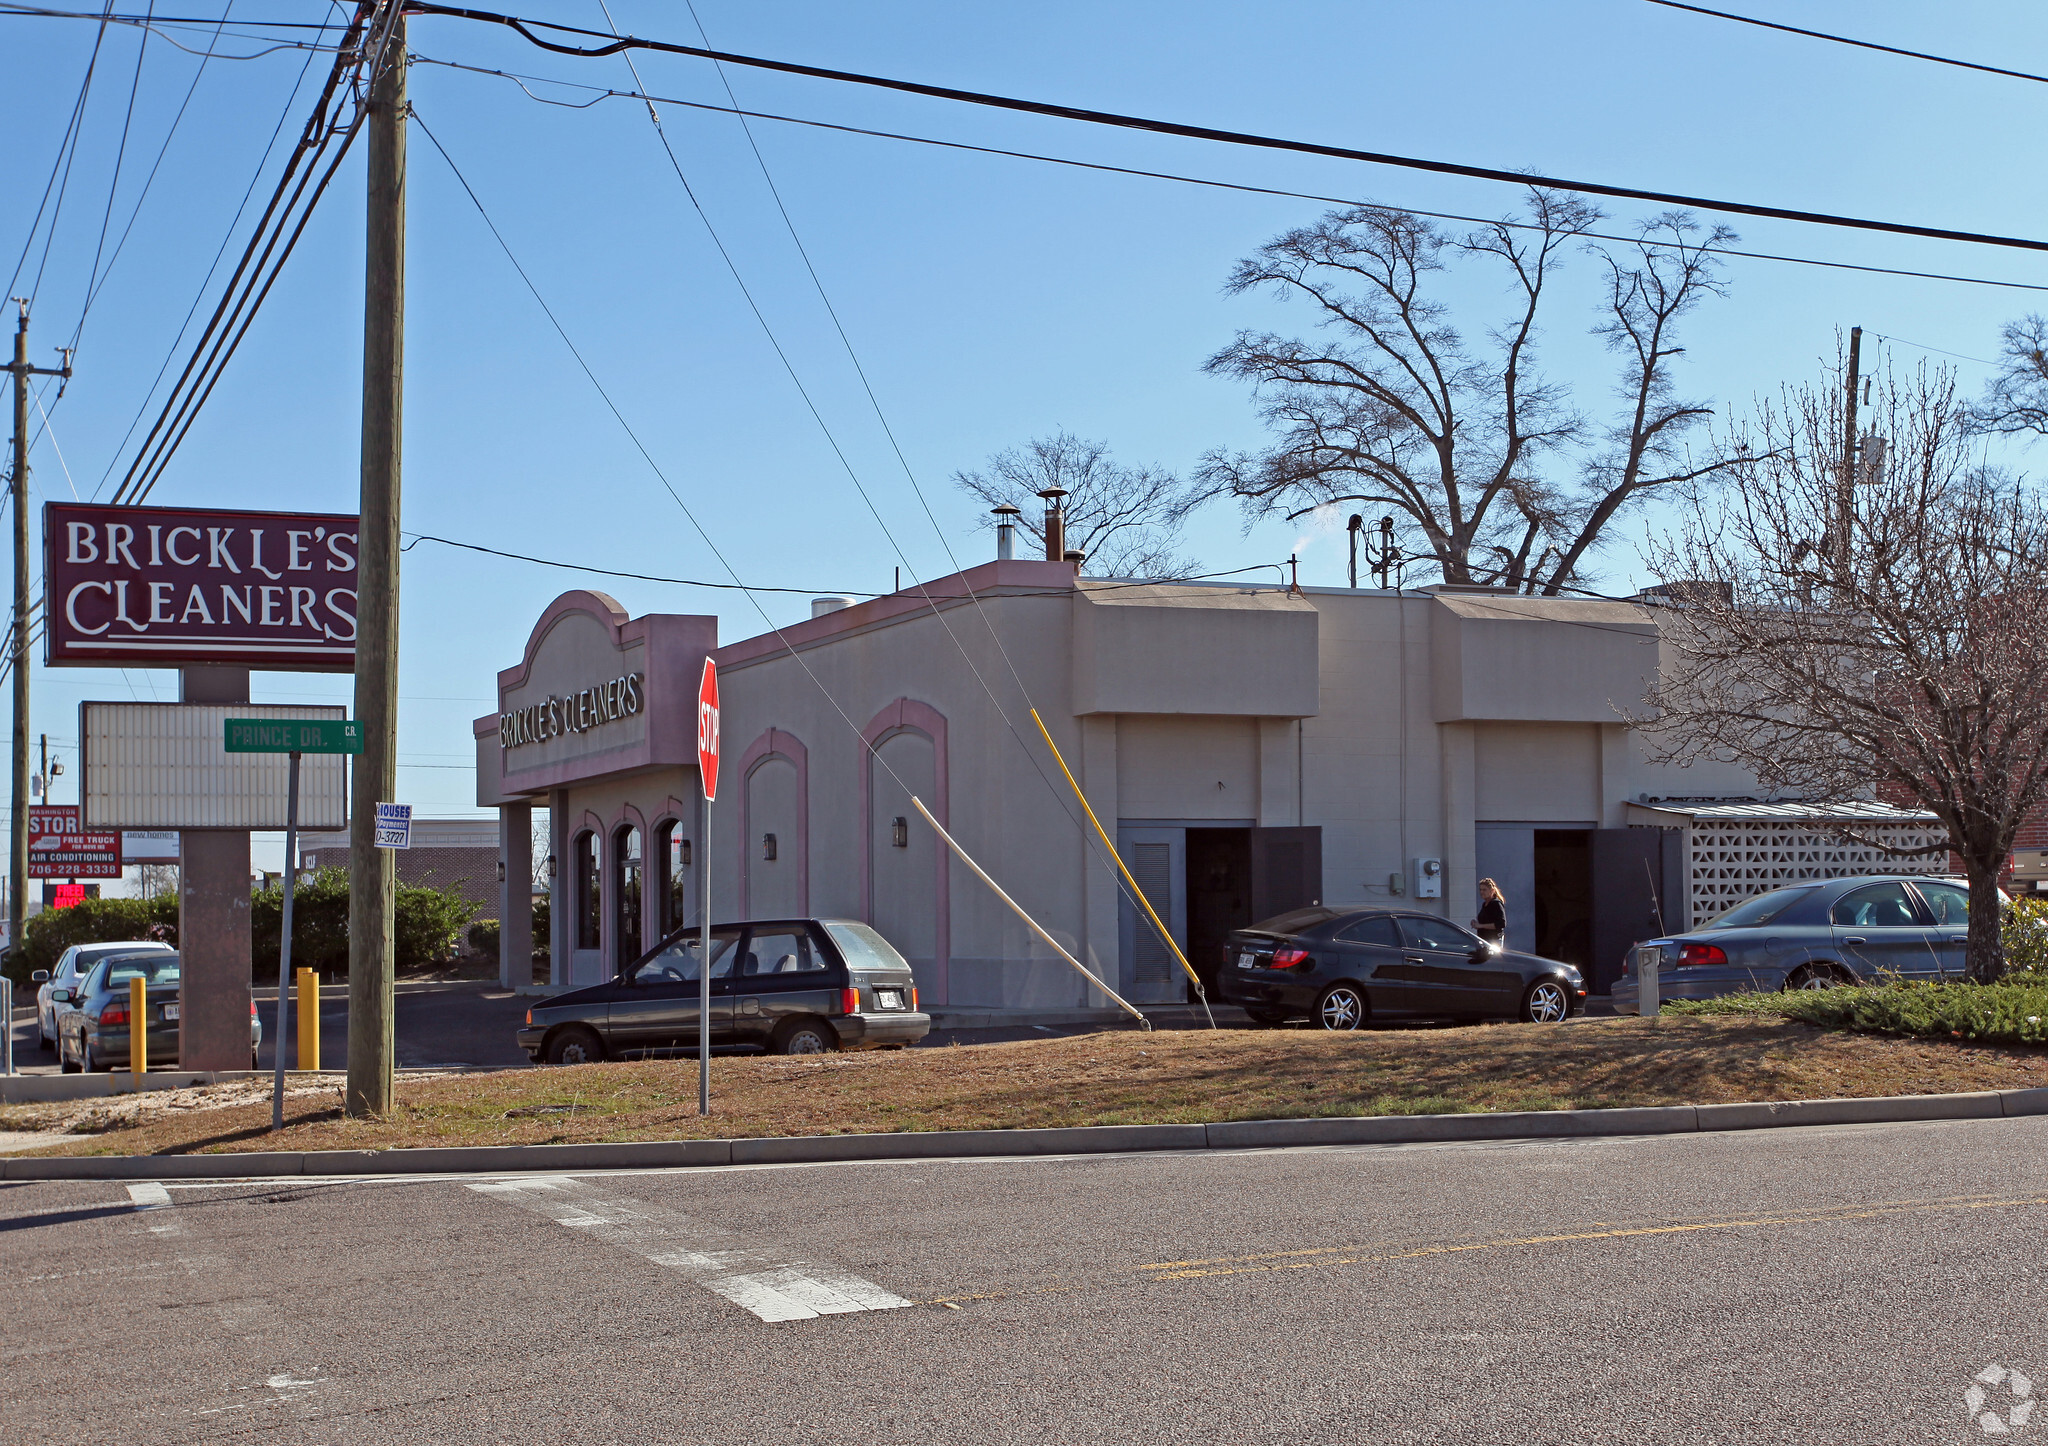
(1099,1079)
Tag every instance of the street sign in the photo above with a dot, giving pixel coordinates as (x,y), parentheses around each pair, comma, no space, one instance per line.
(59,848)
(707,729)
(394,825)
(294,735)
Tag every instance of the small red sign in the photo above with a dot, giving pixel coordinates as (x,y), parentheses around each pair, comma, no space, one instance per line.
(63,896)
(59,849)
(707,730)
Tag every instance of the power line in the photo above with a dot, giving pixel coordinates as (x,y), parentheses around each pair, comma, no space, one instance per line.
(603,93)
(67,152)
(614,46)
(1847,40)
(253,275)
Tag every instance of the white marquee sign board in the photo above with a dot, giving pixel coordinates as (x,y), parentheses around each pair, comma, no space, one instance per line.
(164,766)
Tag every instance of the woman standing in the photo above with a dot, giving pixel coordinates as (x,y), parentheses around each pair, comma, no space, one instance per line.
(1492,923)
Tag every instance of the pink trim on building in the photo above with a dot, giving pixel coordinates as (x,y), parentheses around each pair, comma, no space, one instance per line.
(907,715)
(776,743)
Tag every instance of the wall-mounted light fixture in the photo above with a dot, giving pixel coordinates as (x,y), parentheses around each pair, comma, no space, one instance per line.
(899,833)
(551,868)
(685,860)
(768,847)
(501,871)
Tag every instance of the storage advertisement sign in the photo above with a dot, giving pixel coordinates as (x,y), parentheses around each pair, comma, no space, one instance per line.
(59,848)
(159,586)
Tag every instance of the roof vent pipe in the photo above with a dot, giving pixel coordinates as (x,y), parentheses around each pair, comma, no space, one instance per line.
(822,605)
(1055,525)
(1006,532)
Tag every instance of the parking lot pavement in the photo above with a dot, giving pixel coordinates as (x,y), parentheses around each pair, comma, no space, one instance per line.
(1814,1285)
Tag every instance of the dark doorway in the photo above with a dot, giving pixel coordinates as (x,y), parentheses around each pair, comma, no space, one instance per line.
(1219,895)
(1563,905)
(1638,881)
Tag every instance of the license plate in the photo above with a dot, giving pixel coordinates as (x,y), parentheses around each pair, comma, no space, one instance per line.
(1246,961)
(888,999)
(170,1011)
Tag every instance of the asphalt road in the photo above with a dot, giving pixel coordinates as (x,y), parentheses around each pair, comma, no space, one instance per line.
(1819,1285)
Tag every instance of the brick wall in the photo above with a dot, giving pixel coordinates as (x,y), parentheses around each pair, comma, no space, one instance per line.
(470,872)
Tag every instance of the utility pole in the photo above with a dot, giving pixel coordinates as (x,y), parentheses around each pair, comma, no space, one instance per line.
(1845,489)
(371,869)
(17,868)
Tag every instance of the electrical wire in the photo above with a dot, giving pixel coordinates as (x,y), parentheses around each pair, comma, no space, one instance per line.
(1847,40)
(60,173)
(603,94)
(1119,875)
(114,185)
(256,272)
(199,296)
(615,45)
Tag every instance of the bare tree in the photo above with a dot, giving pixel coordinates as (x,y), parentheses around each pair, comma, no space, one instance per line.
(1913,663)
(2017,399)
(1489,470)
(1126,519)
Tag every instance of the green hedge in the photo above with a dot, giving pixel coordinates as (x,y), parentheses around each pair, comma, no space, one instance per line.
(2012,1011)
(428,922)
(91,921)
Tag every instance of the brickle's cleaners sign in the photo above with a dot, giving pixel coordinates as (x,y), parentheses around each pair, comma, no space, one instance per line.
(155,586)
(581,711)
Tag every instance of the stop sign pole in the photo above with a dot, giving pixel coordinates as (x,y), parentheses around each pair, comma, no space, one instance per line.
(707,773)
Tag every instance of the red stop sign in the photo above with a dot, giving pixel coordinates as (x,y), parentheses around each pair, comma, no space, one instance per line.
(707,729)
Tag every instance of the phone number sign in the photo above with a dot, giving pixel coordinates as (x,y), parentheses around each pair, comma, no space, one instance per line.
(58,848)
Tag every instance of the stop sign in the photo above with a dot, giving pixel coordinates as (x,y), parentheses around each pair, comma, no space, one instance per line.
(707,729)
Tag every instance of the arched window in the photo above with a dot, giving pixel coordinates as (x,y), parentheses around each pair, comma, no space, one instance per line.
(672,858)
(626,891)
(589,931)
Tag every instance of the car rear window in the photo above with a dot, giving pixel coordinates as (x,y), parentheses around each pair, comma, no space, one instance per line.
(1294,921)
(1760,910)
(154,968)
(863,948)
(1372,929)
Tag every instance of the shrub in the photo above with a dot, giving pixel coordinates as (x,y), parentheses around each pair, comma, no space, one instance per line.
(2012,1011)
(2025,933)
(90,921)
(483,937)
(426,925)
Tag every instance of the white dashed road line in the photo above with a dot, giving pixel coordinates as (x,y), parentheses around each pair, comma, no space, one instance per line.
(150,1195)
(757,1278)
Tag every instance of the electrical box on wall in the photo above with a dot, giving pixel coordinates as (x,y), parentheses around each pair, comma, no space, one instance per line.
(1429,878)
(1397,884)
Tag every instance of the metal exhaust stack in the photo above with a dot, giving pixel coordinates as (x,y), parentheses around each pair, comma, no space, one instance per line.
(1055,525)
(1006,532)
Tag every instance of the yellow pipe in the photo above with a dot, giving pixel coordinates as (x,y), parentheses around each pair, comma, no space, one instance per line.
(138,1025)
(1136,892)
(309,1019)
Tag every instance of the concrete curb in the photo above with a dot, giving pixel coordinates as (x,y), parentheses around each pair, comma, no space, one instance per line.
(1080,1140)
(29,1089)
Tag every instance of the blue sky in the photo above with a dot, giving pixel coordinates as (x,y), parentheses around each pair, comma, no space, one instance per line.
(989,300)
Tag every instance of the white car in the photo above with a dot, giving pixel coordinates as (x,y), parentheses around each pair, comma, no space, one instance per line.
(72,966)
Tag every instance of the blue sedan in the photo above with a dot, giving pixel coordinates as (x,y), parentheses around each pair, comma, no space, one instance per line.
(1812,936)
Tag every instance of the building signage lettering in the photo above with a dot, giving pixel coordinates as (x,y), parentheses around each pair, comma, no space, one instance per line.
(578,713)
(152,586)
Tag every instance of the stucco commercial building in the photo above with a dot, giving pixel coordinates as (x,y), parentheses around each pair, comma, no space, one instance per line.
(1252,747)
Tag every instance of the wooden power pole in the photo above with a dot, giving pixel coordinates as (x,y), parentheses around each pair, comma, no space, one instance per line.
(371,869)
(1845,488)
(17,652)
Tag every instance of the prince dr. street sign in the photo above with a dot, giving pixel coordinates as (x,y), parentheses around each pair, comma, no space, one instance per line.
(707,730)
(294,735)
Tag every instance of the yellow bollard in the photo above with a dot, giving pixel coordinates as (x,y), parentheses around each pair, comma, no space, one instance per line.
(138,1025)
(309,1019)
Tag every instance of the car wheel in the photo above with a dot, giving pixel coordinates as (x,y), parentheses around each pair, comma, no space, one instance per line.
(86,1061)
(1812,976)
(1546,1003)
(575,1045)
(1341,1007)
(64,1064)
(805,1036)
(1266,1018)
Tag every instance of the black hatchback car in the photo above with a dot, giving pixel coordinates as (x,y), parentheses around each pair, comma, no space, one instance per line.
(789,986)
(1341,968)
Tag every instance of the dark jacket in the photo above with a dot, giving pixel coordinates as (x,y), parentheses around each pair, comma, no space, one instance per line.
(1492,923)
